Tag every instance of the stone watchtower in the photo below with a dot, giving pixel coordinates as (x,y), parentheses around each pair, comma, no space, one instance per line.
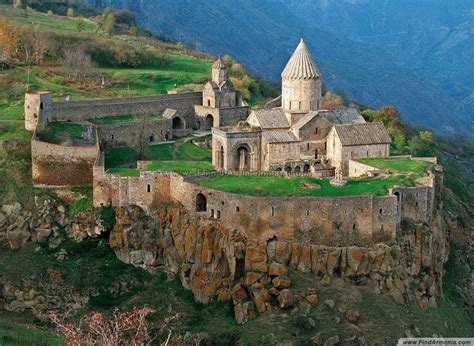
(218,72)
(301,84)
(38,109)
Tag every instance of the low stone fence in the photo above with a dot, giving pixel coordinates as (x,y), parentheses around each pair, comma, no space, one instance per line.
(358,169)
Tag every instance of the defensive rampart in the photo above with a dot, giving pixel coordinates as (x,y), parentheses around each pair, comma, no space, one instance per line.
(61,165)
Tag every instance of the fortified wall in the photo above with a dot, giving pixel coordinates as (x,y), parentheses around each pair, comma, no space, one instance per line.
(341,221)
(61,165)
(39,106)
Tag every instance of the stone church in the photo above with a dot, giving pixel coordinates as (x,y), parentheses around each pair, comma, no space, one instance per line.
(297,135)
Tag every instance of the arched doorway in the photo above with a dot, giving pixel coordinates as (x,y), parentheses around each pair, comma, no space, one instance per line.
(242,158)
(152,139)
(297,169)
(288,169)
(177,123)
(201,203)
(209,122)
(306,168)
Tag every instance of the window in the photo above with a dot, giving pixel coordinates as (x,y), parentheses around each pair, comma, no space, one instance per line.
(201,203)
(299,105)
(218,214)
(41,105)
(367,153)
(148,188)
(237,209)
(112,136)
(273,211)
(209,103)
(307,212)
(380,211)
(307,147)
(354,226)
(316,131)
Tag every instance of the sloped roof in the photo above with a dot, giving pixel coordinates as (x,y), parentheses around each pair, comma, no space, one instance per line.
(272,118)
(304,120)
(169,113)
(362,134)
(218,64)
(279,136)
(345,116)
(301,64)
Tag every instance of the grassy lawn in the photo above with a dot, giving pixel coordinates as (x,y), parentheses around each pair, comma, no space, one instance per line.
(181,167)
(176,151)
(45,22)
(59,133)
(124,119)
(124,172)
(280,186)
(419,168)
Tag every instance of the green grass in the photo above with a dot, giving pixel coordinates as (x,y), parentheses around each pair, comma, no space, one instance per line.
(53,23)
(14,331)
(280,186)
(125,172)
(181,167)
(112,120)
(59,133)
(419,168)
(176,151)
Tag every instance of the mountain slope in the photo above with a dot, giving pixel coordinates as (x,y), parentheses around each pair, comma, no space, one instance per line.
(263,34)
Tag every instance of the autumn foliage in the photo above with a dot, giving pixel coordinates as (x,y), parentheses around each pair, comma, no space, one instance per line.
(97,328)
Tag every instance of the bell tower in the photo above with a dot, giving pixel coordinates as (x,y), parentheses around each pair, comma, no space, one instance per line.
(218,72)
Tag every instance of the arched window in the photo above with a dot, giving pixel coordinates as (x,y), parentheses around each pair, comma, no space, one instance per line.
(148,188)
(152,139)
(273,210)
(201,203)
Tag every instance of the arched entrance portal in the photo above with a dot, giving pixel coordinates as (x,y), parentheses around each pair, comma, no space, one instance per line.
(242,158)
(209,123)
(201,203)
(177,123)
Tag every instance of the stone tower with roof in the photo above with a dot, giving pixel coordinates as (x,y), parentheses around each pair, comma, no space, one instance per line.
(218,71)
(301,84)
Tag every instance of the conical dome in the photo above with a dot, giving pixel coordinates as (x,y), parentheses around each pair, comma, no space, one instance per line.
(218,64)
(301,65)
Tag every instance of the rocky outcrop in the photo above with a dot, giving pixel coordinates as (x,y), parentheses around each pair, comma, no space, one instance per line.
(220,264)
(42,298)
(46,222)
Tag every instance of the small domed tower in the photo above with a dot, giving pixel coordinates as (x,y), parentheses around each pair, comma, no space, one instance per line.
(301,84)
(218,71)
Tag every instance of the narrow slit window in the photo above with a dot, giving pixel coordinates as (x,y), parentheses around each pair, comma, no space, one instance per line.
(148,188)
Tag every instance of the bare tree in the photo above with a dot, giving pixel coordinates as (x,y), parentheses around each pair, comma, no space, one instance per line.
(78,64)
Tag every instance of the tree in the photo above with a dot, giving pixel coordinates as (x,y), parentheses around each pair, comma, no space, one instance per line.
(80,24)
(108,24)
(332,101)
(228,61)
(19,4)
(77,64)
(97,328)
(70,12)
(423,144)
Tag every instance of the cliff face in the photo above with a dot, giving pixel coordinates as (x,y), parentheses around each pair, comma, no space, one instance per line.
(215,262)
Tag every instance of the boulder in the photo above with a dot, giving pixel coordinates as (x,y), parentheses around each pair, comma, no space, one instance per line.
(277,269)
(312,298)
(352,316)
(286,299)
(244,312)
(281,282)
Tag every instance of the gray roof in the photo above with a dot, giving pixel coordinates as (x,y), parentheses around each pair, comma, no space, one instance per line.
(279,136)
(272,118)
(301,64)
(304,120)
(169,113)
(345,116)
(362,134)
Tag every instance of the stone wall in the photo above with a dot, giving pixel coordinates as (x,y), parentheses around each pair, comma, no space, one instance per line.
(133,134)
(358,169)
(61,165)
(145,105)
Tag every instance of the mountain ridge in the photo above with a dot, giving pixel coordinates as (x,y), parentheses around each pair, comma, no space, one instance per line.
(263,34)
